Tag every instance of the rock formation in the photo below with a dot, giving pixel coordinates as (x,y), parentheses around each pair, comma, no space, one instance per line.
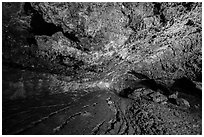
(102,68)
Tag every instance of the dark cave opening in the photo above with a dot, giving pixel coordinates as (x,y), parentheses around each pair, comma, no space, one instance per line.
(40,27)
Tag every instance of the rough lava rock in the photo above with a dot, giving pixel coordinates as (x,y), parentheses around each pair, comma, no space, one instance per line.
(102,68)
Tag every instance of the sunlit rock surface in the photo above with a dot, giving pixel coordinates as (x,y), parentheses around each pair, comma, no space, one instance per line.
(102,68)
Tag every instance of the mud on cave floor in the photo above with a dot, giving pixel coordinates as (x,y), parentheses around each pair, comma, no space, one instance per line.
(41,103)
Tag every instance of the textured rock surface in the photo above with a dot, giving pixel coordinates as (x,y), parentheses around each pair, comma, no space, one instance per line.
(102,68)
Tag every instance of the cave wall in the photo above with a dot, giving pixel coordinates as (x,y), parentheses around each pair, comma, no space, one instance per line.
(159,40)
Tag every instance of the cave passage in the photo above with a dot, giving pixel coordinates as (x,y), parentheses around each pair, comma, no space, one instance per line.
(57,80)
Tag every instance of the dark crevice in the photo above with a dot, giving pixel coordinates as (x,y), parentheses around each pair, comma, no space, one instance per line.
(71,36)
(190,23)
(186,86)
(31,41)
(157,8)
(27,8)
(40,27)
(163,19)
(188,5)
(158,11)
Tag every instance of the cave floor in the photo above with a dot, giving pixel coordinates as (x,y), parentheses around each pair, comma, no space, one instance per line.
(38,103)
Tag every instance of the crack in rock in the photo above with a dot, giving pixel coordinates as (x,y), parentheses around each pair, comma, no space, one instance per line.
(97,128)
